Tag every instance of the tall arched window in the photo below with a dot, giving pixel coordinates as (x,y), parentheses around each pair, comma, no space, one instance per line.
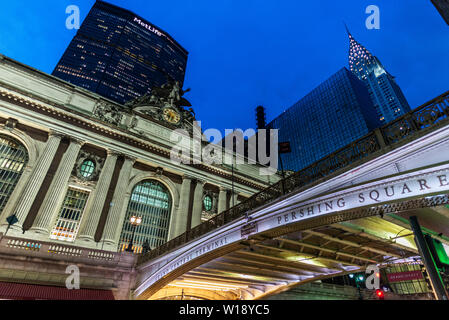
(13,159)
(151,201)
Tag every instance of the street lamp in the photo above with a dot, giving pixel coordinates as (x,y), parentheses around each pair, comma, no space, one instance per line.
(135,221)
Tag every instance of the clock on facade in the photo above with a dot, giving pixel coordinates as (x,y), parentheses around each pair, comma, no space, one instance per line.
(171,115)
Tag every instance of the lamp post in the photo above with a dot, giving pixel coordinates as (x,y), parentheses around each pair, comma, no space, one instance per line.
(135,221)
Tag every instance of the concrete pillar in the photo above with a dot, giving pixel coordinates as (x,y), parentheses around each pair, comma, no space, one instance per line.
(92,214)
(198,203)
(35,181)
(117,212)
(57,190)
(222,196)
(233,201)
(180,223)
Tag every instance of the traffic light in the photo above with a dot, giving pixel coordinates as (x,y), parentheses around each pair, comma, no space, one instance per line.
(380,294)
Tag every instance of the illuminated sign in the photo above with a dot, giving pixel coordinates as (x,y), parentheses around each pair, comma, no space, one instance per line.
(148,27)
(404,276)
(152,29)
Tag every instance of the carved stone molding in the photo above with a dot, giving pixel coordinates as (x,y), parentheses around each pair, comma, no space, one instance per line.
(108,113)
(84,155)
(11,123)
(159,171)
(56,133)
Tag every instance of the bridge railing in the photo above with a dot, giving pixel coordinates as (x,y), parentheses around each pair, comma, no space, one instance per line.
(428,117)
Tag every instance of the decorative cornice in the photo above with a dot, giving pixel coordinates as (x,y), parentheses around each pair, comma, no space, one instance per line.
(74,118)
(77,141)
(57,134)
(114,153)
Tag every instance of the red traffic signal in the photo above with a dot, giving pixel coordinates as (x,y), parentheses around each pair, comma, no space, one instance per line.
(380,294)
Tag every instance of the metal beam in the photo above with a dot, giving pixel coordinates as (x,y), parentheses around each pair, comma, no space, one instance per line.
(230,266)
(238,280)
(352,244)
(303,266)
(251,273)
(328,250)
(317,269)
(373,237)
(307,254)
(293,270)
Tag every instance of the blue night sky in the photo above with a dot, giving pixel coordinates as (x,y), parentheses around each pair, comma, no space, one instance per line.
(249,52)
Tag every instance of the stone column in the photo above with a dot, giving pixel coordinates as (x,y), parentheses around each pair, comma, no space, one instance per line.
(117,212)
(180,223)
(36,178)
(13,200)
(233,201)
(57,190)
(92,214)
(222,200)
(197,203)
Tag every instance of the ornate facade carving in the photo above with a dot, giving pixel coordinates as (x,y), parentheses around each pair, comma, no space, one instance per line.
(165,104)
(108,113)
(77,174)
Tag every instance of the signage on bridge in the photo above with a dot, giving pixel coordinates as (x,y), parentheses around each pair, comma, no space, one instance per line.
(248,229)
(361,197)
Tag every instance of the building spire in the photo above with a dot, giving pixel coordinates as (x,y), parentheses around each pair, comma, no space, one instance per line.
(358,54)
(347,30)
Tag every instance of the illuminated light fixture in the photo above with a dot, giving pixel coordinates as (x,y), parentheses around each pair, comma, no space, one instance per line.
(307,260)
(135,222)
(198,286)
(221,284)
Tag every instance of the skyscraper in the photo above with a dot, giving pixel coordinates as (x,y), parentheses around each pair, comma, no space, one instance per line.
(386,95)
(443,8)
(120,56)
(330,117)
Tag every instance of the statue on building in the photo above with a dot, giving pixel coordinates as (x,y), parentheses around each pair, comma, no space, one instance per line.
(167,104)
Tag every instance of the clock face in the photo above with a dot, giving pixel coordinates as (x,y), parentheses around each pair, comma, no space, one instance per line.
(171,115)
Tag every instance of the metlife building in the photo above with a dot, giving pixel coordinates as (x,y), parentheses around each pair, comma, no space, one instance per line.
(120,56)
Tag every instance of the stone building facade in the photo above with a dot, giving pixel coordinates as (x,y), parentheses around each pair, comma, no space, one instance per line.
(75,166)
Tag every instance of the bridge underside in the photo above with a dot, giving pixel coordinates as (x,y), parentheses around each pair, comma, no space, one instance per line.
(266,265)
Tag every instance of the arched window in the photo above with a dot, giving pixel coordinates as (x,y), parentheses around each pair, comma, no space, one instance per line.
(13,159)
(151,201)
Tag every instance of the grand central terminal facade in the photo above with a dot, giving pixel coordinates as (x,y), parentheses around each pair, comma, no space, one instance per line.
(75,167)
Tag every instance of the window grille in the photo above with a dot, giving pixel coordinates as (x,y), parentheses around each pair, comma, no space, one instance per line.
(151,201)
(69,218)
(13,159)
